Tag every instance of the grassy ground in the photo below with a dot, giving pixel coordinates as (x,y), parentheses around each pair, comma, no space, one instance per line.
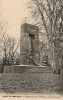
(31,83)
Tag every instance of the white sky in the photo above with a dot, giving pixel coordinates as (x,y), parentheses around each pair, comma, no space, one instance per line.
(15,12)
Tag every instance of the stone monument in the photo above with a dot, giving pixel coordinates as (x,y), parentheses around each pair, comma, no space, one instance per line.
(29,50)
(29,45)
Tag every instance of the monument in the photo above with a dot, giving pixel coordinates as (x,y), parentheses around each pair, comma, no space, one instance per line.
(29,50)
(29,45)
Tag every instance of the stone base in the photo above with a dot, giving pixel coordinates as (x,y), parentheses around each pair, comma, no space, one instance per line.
(19,68)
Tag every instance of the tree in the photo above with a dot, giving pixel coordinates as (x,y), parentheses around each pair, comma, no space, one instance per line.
(49,16)
(3,38)
(43,52)
(13,49)
(8,45)
(9,48)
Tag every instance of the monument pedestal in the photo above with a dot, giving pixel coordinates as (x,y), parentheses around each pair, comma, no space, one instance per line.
(18,68)
(27,69)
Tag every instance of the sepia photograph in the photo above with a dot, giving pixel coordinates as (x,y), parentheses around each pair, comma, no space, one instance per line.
(31,49)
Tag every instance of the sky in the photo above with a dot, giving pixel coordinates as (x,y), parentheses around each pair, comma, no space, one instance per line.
(15,13)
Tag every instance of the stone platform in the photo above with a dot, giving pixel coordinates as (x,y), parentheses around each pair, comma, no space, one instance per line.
(26,68)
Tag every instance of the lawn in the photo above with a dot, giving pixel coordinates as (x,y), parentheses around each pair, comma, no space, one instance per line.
(44,83)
